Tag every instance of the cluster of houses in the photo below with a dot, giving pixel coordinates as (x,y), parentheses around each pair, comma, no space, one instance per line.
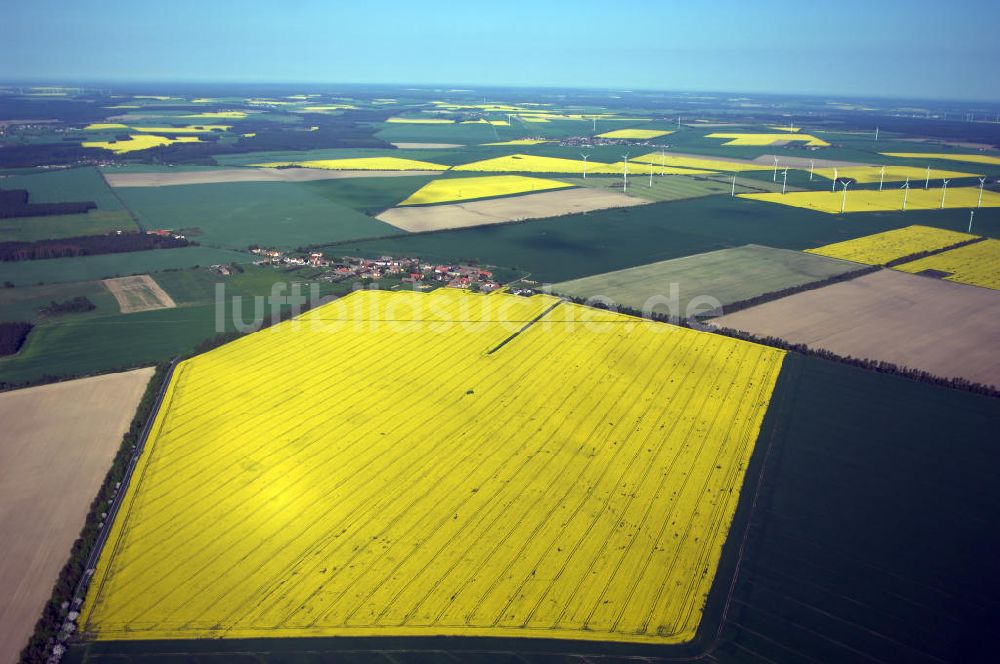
(165,233)
(413,271)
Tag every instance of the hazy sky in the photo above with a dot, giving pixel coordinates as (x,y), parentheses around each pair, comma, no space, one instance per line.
(875,47)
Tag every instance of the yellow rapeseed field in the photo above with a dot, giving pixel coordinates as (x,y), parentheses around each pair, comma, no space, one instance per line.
(881,248)
(634,133)
(871,200)
(487,186)
(420,121)
(431,464)
(977,264)
(869,174)
(521,141)
(703,163)
(138,142)
(101,126)
(217,115)
(768,139)
(785,128)
(529,163)
(361,164)
(972,158)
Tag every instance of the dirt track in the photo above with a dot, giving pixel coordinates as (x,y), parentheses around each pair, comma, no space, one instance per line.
(219,175)
(57,446)
(139,293)
(947,329)
(499,210)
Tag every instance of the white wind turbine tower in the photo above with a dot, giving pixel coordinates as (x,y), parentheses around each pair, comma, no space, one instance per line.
(625,172)
(594,118)
(881,178)
(663,161)
(650,176)
(833,187)
(982,181)
(843,201)
(927,179)
(972,213)
(906,190)
(774,178)
(784,180)
(944,191)
(734,184)
(876,133)
(584,155)
(812,167)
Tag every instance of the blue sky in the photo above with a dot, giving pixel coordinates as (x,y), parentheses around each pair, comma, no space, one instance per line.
(873,48)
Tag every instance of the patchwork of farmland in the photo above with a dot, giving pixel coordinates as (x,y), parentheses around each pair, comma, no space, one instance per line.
(725,276)
(513,491)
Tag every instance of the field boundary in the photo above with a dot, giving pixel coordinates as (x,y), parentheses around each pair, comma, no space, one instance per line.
(121,201)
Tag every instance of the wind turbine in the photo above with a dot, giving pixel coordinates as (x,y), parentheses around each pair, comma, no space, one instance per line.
(784,180)
(944,191)
(663,161)
(625,172)
(906,190)
(775,177)
(881,178)
(584,155)
(678,122)
(594,118)
(812,166)
(927,180)
(876,133)
(843,201)
(734,184)
(650,176)
(982,181)
(972,213)
(833,187)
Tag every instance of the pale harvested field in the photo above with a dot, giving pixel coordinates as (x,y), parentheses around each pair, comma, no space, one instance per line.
(427,146)
(57,446)
(244,175)
(948,329)
(139,293)
(499,210)
(803,162)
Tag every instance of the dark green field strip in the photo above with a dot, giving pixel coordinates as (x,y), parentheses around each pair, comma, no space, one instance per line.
(103,266)
(875,544)
(575,246)
(238,214)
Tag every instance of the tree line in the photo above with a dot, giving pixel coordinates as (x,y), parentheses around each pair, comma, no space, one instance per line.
(14,203)
(87,245)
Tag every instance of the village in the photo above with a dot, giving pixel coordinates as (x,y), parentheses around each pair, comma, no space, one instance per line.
(420,275)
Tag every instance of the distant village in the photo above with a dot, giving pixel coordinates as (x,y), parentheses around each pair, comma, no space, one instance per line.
(421,275)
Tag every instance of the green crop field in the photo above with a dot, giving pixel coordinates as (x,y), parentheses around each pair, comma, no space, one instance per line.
(727,275)
(239,214)
(102,266)
(71,184)
(23,302)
